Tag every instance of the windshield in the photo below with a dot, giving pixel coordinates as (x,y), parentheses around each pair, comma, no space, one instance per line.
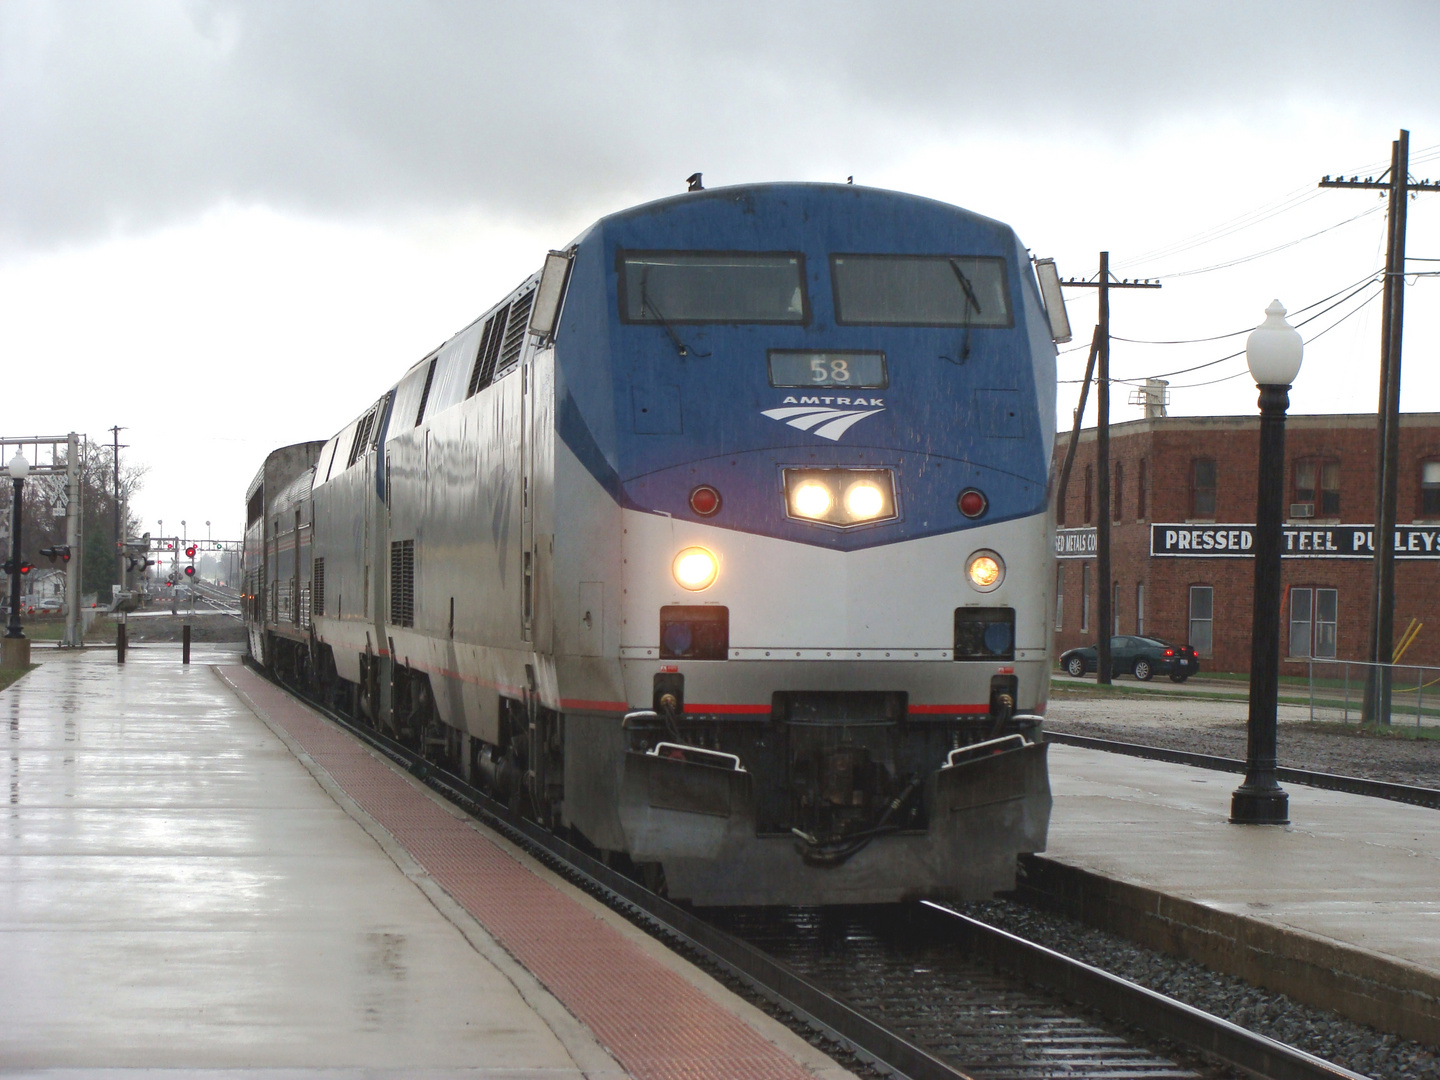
(920,290)
(726,286)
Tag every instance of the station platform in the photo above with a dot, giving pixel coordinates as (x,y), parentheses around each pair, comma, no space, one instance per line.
(1339,909)
(199,874)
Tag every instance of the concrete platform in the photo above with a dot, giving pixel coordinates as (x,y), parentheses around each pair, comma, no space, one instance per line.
(184,884)
(1340,909)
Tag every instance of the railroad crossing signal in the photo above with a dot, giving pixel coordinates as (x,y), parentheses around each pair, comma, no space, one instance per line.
(9,567)
(189,571)
(59,551)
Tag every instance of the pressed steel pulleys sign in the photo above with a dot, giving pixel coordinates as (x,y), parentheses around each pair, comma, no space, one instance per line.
(1299,541)
(1075,543)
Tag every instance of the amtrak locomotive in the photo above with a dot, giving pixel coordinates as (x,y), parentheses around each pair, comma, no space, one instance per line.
(722,542)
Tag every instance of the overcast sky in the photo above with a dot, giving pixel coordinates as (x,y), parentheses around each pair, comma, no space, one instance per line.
(228,226)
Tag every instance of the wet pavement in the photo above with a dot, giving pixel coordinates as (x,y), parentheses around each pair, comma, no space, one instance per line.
(178,891)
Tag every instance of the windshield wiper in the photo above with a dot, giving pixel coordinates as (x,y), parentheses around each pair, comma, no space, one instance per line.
(970,301)
(646,302)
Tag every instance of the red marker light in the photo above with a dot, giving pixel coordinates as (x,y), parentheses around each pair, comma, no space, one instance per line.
(190,552)
(1169,652)
(705,500)
(972,503)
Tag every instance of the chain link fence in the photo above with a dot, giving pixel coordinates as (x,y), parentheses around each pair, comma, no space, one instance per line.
(1396,693)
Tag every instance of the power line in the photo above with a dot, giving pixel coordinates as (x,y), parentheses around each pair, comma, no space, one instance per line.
(1358,308)
(1296,198)
(1366,283)
(1273,250)
(1236,333)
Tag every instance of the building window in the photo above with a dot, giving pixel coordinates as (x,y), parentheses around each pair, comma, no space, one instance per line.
(1089,494)
(1140,608)
(1140,491)
(1084,596)
(1317,485)
(1202,619)
(1119,489)
(1430,489)
(1115,608)
(1202,488)
(1059,596)
(1301,619)
(1313,618)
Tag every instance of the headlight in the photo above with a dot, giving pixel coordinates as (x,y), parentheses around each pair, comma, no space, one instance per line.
(695,569)
(986,570)
(864,500)
(811,499)
(841,497)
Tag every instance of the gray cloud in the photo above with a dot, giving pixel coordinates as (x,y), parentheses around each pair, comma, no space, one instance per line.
(133,114)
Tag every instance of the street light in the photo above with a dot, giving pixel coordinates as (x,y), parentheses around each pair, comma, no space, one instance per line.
(1273,351)
(17,649)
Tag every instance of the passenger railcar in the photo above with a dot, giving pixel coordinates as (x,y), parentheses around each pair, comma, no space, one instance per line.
(722,541)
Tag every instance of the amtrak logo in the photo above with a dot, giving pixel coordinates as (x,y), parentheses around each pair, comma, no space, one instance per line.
(808,414)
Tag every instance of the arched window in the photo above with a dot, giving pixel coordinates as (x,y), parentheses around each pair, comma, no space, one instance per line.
(1202,619)
(1317,486)
(1202,488)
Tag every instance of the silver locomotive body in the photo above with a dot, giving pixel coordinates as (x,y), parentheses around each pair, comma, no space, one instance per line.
(837,715)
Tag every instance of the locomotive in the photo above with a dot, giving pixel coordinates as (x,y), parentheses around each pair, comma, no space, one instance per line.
(722,542)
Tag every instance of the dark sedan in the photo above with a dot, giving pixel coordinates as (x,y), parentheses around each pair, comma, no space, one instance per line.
(1142,657)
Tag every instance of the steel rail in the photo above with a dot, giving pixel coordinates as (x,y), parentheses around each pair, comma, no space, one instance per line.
(1111,995)
(871,1042)
(1353,785)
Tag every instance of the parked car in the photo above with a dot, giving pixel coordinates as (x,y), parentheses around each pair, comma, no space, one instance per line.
(48,605)
(1143,657)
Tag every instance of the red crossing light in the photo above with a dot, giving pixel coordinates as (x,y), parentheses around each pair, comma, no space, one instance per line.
(189,571)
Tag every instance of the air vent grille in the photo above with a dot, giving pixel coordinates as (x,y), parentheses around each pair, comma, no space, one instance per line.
(488,352)
(317,587)
(402,583)
(362,438)
(425,393)
(517,328)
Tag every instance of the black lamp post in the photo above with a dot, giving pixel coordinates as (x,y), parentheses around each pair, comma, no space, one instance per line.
(1273,351)
(19,469)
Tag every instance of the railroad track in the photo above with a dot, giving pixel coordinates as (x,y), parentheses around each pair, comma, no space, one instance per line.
(1355,785)
(949,998)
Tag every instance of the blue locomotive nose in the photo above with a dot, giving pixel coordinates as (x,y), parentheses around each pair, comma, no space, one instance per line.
(721,540)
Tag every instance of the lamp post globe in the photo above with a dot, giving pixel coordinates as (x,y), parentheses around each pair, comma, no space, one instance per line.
(1273,351)
(19,467)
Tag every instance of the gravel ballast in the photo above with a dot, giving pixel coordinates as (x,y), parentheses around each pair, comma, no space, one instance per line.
(1324,1034)
(1217,726)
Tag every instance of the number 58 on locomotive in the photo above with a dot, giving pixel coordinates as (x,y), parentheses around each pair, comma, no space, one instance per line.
(721,542)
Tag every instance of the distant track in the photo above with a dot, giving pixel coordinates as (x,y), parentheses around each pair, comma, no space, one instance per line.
(852,1024)
(1354,785)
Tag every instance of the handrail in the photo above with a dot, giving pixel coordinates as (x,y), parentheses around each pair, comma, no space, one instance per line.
(973,749)
(732,761)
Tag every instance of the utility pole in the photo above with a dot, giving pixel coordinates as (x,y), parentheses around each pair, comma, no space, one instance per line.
(1376,707)
(73,623)
(1104,283)
(119,537)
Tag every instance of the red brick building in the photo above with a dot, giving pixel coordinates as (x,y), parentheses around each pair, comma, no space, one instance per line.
(1181,569)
